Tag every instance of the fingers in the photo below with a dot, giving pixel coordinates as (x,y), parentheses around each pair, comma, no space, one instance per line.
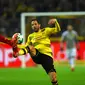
(51,21)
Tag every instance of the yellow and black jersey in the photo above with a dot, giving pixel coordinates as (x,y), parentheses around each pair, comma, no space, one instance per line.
(40,40)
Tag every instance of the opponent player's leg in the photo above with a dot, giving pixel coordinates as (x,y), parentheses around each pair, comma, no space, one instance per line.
(72,64)
(49,68)
(12,42)
(14,45)
(68,53)
(5,40)
(71,57)
(72,60)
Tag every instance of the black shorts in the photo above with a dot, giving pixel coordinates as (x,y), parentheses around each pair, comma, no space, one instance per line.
(45,60)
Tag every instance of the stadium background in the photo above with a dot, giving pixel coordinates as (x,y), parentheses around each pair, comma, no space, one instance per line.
(10,68)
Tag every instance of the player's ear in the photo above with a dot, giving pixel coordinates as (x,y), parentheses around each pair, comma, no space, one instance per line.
(39,25)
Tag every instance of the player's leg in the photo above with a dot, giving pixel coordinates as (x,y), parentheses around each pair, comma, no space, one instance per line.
(47,64)
(53,78)
(28,49)
(11,42)
(5,40)
(72,59)
(68,55)
(33,51)
(14,45)
(72,63)
(71,53)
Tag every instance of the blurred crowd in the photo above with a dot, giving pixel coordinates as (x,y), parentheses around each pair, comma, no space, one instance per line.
(10,11)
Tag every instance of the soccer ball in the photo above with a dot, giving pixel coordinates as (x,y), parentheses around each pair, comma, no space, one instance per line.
(20,38)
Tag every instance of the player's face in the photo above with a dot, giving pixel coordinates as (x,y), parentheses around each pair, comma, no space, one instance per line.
(69,28)
(35,26)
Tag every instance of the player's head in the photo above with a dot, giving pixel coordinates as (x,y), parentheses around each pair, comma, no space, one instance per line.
(35,25)
(69,27)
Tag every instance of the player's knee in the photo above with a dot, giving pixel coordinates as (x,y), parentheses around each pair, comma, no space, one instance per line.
(31,48)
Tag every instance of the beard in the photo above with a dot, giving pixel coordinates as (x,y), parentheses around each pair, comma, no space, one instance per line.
(36,29)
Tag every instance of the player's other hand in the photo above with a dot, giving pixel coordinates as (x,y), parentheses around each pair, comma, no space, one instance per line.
(78,48)
(51,21)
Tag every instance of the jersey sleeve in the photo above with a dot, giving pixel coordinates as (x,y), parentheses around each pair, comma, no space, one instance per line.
(76,36)
(63,37)
(53,30)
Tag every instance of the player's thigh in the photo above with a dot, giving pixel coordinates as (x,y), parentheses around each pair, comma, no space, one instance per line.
(71,52)
(68,53)
(37,58)
(47,64)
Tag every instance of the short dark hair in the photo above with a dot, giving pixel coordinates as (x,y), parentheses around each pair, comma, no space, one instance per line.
(70,25)
(35,19)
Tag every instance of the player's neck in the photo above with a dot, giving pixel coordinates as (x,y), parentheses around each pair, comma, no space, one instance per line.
(69,30)
(38,30)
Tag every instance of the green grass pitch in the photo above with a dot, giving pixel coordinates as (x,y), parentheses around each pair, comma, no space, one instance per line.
(37,76)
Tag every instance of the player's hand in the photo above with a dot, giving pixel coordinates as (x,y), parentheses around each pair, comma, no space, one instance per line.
(78,48)
(51,21)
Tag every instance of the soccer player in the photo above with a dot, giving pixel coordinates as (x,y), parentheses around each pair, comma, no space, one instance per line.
(38,45)
(71,38)
(12,42)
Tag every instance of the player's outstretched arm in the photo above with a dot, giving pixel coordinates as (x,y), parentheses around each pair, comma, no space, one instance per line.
(54,21)
(57,26)
(54,29)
